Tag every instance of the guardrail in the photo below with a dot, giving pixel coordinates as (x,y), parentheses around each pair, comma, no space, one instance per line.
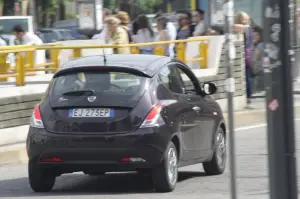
(25,56)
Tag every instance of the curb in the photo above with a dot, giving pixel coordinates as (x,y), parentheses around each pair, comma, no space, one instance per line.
(13,154)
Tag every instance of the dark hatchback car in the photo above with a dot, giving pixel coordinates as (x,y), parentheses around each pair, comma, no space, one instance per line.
(141,113)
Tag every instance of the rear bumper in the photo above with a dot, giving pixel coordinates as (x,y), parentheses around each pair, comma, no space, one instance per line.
(98,152)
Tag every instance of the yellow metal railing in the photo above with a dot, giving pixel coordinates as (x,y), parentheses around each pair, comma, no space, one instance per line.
(25,56)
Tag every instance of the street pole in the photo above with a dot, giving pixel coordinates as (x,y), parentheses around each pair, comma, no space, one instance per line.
(279,101)
(32,9)
(230,88)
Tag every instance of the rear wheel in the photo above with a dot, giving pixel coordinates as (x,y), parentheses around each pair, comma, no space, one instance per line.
(40,180)
(166,174)
(218,163)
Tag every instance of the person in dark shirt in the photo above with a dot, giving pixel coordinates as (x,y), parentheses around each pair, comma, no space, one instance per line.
(186,28)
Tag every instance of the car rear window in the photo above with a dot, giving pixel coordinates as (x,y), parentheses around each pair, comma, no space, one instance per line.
(110,88)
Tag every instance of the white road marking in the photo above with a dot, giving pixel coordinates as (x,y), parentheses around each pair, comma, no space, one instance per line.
(243,128)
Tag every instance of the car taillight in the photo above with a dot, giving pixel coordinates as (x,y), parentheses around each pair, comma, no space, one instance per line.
(36,118)
(154,117)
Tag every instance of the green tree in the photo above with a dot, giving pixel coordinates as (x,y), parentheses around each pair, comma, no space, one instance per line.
(48,11)
(110,4)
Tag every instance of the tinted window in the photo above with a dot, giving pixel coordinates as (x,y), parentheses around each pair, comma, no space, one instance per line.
(6,25)
(111,88)
(66,35)
(169,76)
(176,80)
(49,37)
(187,82)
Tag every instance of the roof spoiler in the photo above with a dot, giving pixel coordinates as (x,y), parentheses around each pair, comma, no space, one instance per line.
(79,69)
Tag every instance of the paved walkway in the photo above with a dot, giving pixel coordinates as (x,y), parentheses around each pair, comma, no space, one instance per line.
(35,84)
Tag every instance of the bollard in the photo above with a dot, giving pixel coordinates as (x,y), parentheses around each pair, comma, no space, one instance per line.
(76,52)
(203,54)
(180,49)
(158,50)
(20,70)
(3,66)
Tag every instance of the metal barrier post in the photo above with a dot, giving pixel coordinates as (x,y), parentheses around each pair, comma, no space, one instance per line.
(134,50)
(158,50)
(29,58)
(3,66)
(76,52)
(203,54)
(180,49)
(20,70)
(54,57)
(29,61)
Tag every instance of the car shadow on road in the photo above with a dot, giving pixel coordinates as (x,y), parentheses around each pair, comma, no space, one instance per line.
(79,184)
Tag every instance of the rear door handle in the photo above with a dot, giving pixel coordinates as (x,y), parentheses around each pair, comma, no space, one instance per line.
(196,108)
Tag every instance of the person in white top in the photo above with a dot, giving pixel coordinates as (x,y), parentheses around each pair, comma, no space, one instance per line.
(145,34)
(172,33)
(28,38)
(200,28)
(2,42)
(162,34)
(102,35)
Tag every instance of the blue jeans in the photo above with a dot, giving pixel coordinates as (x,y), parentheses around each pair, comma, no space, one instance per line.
(248,75)
(146,51)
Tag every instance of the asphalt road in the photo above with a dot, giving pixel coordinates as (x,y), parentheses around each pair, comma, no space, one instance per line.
(252,178)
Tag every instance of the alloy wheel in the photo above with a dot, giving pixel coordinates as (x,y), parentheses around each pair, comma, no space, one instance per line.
(172,166)
(221,150)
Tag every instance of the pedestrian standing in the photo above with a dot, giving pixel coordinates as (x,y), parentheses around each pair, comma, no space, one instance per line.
(116,35)
(185,29)
(258,57)
(242,25)
(27,38)
(145,34)
(172,33)
(125,20)
(198,18)
(162,34)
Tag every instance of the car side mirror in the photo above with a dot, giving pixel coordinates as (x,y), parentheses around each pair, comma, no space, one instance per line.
(209,88)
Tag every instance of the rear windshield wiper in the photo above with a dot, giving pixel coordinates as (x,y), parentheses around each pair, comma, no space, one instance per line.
(79,92)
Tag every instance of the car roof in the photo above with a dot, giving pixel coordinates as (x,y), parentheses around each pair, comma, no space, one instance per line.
(146,64)
(47,29)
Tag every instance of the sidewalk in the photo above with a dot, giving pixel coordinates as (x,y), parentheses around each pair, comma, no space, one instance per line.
(34,84)
(296,89)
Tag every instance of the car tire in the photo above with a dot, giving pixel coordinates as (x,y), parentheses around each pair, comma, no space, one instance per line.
(165,175)
(217,164)
(40,180)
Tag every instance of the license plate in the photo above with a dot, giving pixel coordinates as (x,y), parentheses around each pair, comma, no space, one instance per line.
(91,112)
